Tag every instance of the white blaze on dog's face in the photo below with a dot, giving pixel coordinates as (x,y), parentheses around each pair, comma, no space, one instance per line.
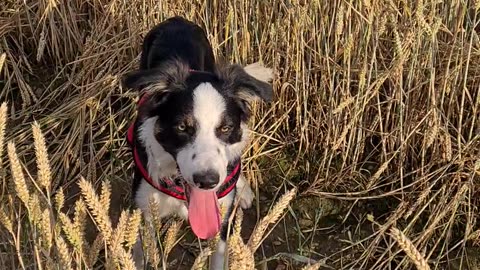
(201,117)
(218,139)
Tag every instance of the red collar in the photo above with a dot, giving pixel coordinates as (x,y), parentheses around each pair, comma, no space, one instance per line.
(171,187)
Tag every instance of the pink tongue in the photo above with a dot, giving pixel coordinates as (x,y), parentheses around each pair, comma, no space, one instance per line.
(203,213)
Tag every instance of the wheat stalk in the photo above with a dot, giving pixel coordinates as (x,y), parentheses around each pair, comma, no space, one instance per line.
(59,200)
(314,266)
(126,259)
(118,235)
(271,217)
(131,232)
(98,210)
(339,21)
(79,220)
(34,208)
(73,236)
(45,229)
(43,164)
(154,209)
(149,241)
(241,256)
(64,254)
(201,260)
(6,221)
(94,250)
(410,249)
(105,194)
(3,122)
(3,56)
(170,237)
(41,45)
(18,178)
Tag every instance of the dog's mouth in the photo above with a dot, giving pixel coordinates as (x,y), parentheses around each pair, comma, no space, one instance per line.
(203,211)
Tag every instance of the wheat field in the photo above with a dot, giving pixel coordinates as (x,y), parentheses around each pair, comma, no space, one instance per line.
(369,157)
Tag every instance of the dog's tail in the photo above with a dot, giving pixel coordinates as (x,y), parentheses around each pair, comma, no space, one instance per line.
(259,72)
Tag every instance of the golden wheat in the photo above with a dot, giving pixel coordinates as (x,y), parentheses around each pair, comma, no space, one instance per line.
(98,210)
(34,208)
(241,256)
(64,253)
(171,237)
(94,250)
(314,266)
(150,245)
(45,229)
(73,236)
(410,249)
(59,199)
(3,123)
(79,219)
(201,260)
(154,218)
(118,235)
(18,177)
(43,165)
(3,56)
(131,232)
(6,221)
(271,217)
(105,195)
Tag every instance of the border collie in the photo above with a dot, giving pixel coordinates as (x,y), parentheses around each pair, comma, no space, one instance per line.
(191,130)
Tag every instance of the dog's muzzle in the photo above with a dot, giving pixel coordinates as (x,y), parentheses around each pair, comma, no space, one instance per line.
(207,179)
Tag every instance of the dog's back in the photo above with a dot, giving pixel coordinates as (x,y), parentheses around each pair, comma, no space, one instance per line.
(177,38)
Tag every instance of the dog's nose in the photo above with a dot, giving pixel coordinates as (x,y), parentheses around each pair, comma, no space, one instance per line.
(207,179)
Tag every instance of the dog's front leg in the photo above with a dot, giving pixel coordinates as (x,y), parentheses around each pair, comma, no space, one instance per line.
(244,192)
(137,254)
(217,261)
(137,250)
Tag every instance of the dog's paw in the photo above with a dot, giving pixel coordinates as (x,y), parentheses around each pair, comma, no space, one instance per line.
(259,72)
(245,196)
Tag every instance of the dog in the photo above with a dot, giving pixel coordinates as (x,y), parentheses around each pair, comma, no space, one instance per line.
(190,130)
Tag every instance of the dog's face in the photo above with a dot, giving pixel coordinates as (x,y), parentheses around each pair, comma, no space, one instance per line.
(201,117)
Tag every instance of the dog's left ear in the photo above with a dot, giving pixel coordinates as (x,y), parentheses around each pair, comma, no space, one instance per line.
(169,76)
(247,83)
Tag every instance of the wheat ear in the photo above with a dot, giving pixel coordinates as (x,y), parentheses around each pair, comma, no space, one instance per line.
(2,60)
(171,237)
(3,125)
(43,163)
(241,257)
(97,245)
(131,232)
(314,266)
(201,260)
(99,211)
(63,252)
(6,221)
(410,249)
(18,177)
(271,217)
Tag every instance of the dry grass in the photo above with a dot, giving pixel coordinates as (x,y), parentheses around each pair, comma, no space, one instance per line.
(377,108)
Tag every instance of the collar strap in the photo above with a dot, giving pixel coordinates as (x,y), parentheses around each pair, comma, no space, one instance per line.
(174,187)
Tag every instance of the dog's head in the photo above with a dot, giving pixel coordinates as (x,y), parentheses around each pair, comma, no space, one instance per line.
(201,117)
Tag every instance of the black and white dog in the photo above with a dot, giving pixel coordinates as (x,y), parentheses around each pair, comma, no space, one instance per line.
(191,130)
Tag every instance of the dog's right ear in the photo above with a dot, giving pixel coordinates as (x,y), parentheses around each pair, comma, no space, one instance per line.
(169,76)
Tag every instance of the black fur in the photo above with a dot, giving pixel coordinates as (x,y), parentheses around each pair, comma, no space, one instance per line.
(177,38)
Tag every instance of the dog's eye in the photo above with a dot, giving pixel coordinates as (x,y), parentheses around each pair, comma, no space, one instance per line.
(181,127)
(225,129)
